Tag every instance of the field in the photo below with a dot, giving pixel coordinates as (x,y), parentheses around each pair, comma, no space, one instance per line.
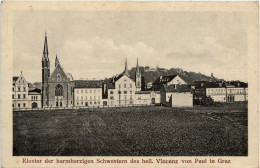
(132,131)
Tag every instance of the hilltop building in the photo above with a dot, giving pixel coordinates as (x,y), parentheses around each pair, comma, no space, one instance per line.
(167,80)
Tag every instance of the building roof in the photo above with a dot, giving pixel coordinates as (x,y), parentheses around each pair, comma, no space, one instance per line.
(219,84)
(88,83)
(111,81)
(35,91)
(15,78)
(238,84)
(179,88)
(164,79)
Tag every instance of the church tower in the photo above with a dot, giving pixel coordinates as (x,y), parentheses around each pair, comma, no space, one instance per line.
(138,77)
(45,74)
(126,72)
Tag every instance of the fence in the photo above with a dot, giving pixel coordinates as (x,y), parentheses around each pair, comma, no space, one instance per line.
(81,107)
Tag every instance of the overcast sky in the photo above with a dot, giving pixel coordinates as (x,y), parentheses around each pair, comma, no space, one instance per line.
(95,44)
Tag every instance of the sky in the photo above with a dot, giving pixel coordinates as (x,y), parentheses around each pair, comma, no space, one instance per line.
(95,44)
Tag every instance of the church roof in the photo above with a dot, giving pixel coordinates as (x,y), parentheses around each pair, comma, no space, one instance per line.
(88,83)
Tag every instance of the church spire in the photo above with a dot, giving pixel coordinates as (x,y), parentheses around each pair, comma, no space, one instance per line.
(138,77)
(126,69)
(137,67)
(56,61)
(45,48)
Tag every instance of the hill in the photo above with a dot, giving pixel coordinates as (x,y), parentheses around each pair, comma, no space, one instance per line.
(151,74)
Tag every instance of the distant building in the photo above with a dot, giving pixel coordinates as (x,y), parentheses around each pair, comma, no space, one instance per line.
(88,93)
(20,92)
(147,97)
(167,80)
(119,90)
(221,91)
(176,96)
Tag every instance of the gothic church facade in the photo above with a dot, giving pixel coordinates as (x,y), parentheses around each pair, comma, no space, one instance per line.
(57,87)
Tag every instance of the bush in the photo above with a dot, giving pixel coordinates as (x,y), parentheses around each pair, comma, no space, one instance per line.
(207,101)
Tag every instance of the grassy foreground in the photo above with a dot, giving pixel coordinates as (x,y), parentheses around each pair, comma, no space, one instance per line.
(133,131)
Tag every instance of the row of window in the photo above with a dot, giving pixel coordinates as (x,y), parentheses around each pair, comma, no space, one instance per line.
(89,98)
(88,90)
(122,98)
(19,105)
(19,89)
(34,97)
(19,96)
(224,91)
(88,103)
(125,85)
(121,103)
(125,92)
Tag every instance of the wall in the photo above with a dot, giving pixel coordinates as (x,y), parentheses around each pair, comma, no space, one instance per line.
(182,99)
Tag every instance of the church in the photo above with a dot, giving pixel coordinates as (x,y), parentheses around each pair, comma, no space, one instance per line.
(57,87)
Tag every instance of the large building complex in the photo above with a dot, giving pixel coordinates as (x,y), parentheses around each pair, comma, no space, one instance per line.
(59,90)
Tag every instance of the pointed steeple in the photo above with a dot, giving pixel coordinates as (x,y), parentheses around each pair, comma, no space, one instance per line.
(138,77)
(56,61)
(126,69)
(137,67)
(45,48)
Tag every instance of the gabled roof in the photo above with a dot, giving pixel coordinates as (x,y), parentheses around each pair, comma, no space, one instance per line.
(88,83)
(164,79)
(111,81)
(179,88)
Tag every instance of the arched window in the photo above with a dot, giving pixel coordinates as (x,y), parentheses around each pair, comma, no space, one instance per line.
(58,78)
(58,90)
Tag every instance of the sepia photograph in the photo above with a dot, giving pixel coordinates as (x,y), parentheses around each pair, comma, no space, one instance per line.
(129,81)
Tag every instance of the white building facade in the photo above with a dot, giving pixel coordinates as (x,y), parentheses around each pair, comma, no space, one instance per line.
(88,93)
(20,92)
